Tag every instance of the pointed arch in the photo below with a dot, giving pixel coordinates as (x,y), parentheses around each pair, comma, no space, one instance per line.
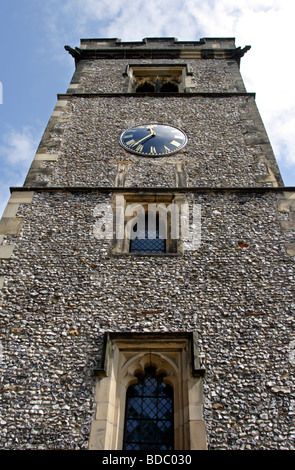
(172,355)
(149,414)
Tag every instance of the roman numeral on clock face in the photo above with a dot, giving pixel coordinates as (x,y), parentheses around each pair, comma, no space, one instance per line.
(177,144)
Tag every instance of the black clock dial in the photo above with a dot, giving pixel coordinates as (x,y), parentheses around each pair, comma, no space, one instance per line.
(153,140)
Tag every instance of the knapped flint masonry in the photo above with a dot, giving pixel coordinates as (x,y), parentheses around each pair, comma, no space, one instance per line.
(182,342)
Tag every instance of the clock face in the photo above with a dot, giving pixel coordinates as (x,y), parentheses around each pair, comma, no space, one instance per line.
(153,140)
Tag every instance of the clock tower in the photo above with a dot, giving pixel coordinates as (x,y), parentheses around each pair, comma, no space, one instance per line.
(147,263)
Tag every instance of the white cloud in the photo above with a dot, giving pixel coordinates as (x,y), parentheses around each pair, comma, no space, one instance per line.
(19,146)
(267,68)
(16,156)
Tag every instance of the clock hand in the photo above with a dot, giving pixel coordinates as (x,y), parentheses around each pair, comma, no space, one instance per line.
(152,134)
(151,130)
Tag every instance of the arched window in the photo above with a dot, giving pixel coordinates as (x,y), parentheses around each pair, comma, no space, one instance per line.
(169,87)
(148,394)
(158,86)
(146,88)
(149,414)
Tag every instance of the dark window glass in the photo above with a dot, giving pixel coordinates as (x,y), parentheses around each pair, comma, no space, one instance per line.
(158,86)
(169,87)
(145,88)
(145,244)
(149,414)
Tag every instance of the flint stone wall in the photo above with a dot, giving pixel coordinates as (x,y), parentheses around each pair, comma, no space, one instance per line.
(107,75)
(225,145)
(63,290)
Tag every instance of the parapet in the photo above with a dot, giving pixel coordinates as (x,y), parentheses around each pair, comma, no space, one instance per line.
(157,48)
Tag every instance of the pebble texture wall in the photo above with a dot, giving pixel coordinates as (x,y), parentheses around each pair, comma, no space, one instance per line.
(228,145)
(107,75)
(236,292)
(216,155)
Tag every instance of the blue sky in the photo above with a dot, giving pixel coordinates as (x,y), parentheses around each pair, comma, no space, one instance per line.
(34,67)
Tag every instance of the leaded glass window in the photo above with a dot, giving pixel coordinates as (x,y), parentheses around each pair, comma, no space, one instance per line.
(147,241)
(149,414)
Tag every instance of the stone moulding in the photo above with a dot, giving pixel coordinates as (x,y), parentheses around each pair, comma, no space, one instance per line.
(197,371)
(205,48)
(125,355)
(186,189)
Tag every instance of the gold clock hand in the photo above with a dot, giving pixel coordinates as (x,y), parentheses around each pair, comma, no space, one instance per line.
(151,130)
(146,137)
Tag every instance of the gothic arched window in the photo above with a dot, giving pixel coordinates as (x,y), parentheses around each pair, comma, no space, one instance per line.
(141,408)
(146,88)
(169,87)
(149,423)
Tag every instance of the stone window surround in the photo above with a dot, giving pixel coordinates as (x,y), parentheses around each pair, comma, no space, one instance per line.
(122,246)
(127,354)
(179,74)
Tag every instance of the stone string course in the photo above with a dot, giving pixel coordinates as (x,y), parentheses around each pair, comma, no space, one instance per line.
(236,291)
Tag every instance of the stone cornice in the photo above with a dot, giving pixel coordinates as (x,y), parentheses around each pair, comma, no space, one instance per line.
(157,48)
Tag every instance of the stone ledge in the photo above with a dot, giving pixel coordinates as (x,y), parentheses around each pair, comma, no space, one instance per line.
(49,157)
(226,94)
(159,189)
(288,224)
(21,197)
